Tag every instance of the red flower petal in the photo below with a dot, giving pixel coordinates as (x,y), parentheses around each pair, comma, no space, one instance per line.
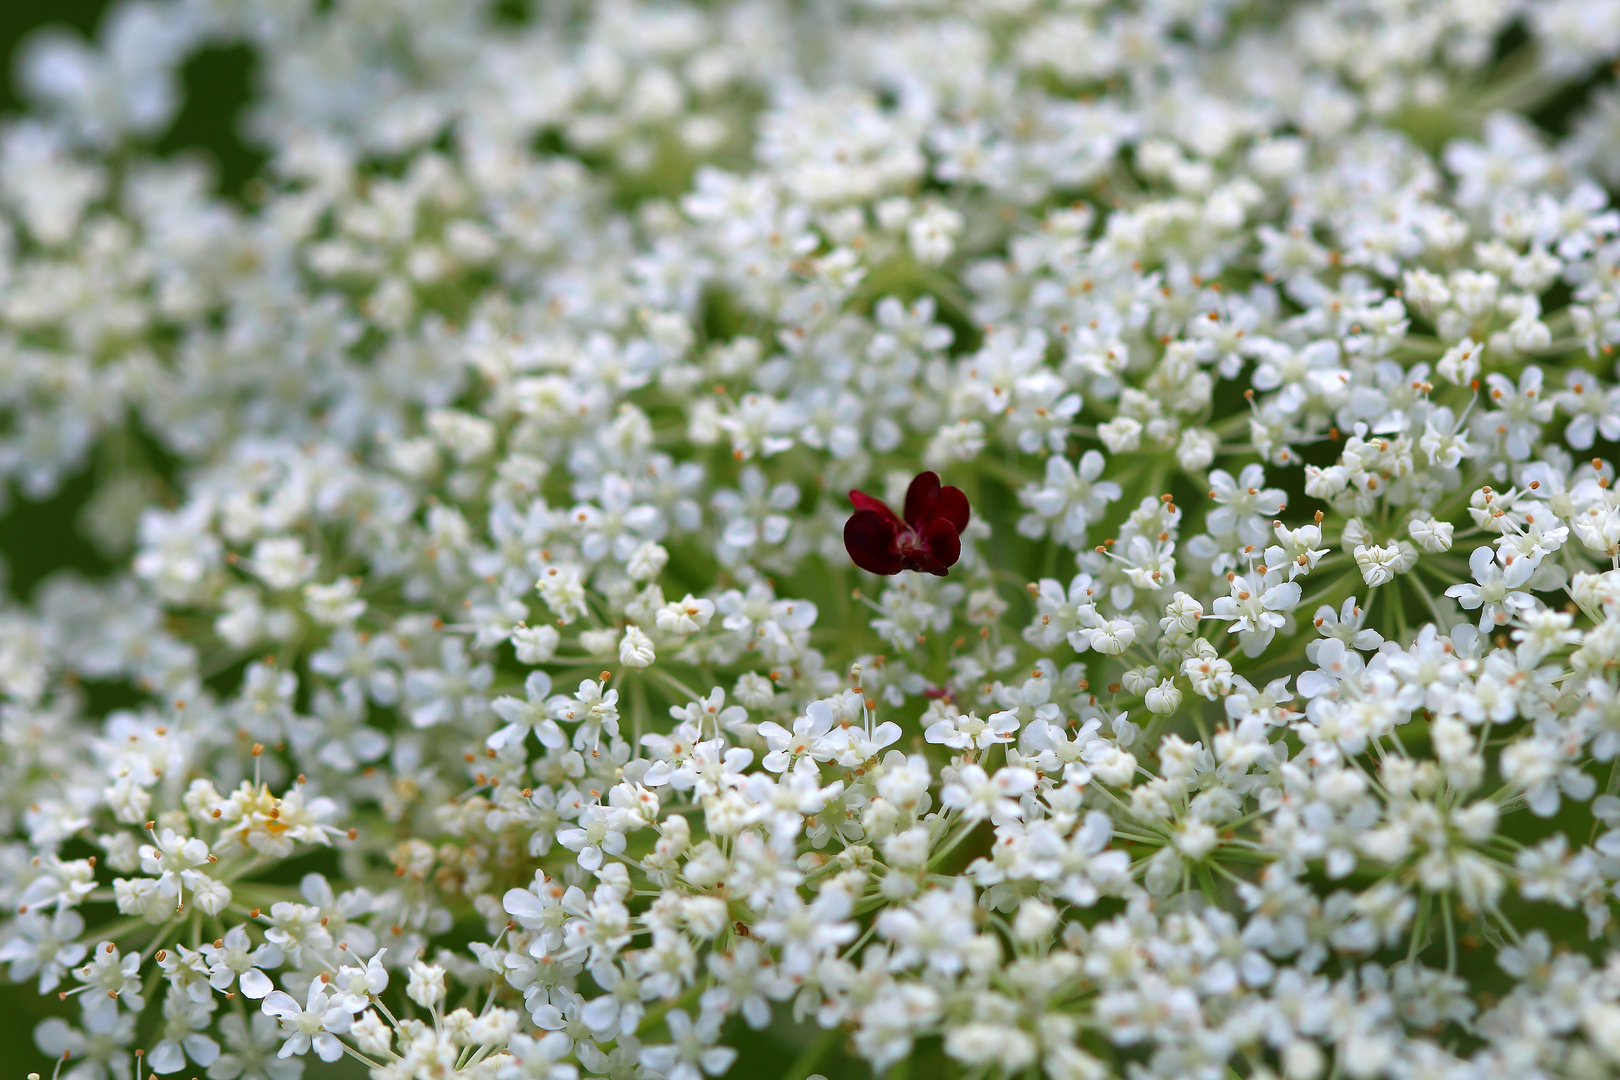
(862,501)
(921,497)
(870,541)
(953,507)
(943,544)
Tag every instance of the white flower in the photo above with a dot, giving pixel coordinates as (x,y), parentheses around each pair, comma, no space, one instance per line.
(1196,449)
(1495,595)
(233,959)
(1181,615)
(1256,606)
(183,1020)
(1460,364)
(1325,483)
(1165,698)
(337,604)
(966,731)
(1244,504)
(1121,434)
(1377,563)
(932,234)
(251,1050)
(44,945)
(450,691)
(691,1054)
(636,648)
(373,1035)
(114,980)
(1069,500)
(980,795)
(563,590)
(281,562)
(357,986)
(535,644)
(1297,547)
(1111,637)
(538,1058)
(807,738)
(647,561)
(685,616)
(530,713)
(314,1025)
(426,986)
(1430,534)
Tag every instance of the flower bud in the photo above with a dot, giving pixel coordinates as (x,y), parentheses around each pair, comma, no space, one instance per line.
(1164,698)
(1377,563)
(1325,483)
(1460,364)
(1181,615)
(426,985)
(636,648)
(1035,921)
(1121,434)
(535,644)
(647,561)
(1196,450)
(209,896)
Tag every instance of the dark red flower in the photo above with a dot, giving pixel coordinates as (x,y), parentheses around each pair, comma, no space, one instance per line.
(929,539)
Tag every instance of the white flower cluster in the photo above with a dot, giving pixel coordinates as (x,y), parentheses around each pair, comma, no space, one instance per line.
(486,692)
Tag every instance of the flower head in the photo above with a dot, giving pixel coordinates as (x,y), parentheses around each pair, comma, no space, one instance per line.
(929,539)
